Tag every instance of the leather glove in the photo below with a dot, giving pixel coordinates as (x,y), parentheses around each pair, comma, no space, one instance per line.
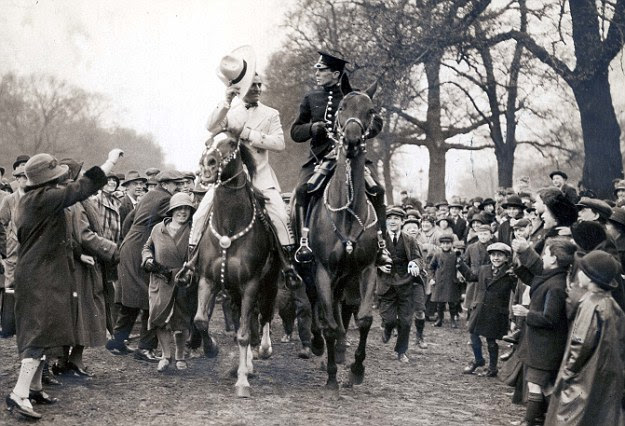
(318,130)
(148,265)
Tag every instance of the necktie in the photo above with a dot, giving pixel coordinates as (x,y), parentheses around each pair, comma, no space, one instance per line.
(394,239)
(251,105)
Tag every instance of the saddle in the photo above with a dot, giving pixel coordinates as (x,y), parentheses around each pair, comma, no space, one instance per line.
(325,170)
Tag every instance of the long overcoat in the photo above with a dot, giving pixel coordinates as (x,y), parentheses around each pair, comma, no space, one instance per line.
(475,256)
(45,305)
(490,313)
(589,387)
(447,286)
(133,281)
(168,304)
(90,328)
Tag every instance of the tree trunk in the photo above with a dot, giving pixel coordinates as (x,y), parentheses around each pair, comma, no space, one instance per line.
(436,173)
(505,165)
(387,168)
(603,161)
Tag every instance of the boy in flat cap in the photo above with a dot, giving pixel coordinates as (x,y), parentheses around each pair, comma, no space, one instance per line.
(489,317)
(589,386)
(315,123)
(446,288)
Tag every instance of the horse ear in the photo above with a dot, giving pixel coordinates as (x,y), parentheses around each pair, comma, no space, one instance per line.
(371,89)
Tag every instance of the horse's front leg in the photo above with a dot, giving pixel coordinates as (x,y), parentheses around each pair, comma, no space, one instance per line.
(265,344)
(365,319)
(243,339)
(328,323)
(205,303)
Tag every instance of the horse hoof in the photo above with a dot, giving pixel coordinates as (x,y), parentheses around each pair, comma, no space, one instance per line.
(201,325)
(356,379)
(339,357)
(317,347)
(211,349)
(332,385)
(265,352)
(243,392)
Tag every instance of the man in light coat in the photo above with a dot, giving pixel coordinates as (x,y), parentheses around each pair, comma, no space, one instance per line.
(259,128)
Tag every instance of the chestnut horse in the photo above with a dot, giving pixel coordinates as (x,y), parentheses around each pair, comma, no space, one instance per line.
(236,251)
(343,237)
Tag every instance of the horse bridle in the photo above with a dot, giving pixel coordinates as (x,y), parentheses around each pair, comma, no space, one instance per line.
(224,161)
(339,128)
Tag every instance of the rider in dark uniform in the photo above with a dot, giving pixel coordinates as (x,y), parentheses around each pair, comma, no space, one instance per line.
(315,123)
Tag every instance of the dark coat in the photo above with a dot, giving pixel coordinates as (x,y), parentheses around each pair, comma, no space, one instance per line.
(447,286)
(459,227)
(475,257)
(589,387)
(90,326)
(413,253)
(490,310)
(133,281)
(312,110)
(125,208)
(45,307)
(168,304)
(547,325)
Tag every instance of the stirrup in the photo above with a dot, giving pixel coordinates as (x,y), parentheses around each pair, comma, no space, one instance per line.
(303,254)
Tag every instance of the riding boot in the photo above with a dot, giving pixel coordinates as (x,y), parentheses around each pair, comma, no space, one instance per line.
(303,254)
(291,278)
(493,357)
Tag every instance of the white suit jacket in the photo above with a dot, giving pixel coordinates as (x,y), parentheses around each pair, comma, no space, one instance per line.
(262,132)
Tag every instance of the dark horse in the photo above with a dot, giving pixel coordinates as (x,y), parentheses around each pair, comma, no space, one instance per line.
(236,251)
(343,238)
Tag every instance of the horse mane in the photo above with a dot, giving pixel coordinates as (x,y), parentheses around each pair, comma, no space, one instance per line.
(248,160)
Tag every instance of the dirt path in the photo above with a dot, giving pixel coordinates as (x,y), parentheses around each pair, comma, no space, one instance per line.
(430,390)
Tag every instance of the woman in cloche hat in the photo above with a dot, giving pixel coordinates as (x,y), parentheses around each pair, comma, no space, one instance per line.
(42,229)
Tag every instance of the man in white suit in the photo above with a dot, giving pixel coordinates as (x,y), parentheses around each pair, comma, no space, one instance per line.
(259,128)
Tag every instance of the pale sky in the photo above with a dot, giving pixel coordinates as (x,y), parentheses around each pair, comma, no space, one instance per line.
(154,59)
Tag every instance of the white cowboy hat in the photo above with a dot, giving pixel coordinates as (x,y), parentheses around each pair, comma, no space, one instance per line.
(237,68)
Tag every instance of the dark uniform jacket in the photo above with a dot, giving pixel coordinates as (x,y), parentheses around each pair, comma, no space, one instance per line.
(459,226)
(321,105)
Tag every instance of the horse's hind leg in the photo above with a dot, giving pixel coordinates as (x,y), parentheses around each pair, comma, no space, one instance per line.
(265,344)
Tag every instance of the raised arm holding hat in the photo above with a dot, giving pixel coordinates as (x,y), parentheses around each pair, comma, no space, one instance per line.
(315,122)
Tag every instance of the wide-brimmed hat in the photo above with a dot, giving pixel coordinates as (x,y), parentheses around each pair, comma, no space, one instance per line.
(618,216)
(19,171)
(600,267)
(180,199)
(457,205)
(441,203)
(133,176)
(513,201)
(74,167)
(558,173)
(237,69)
(43,168)
(502,247)
(602,208)
(413,212)
(21,159)
(168,176)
